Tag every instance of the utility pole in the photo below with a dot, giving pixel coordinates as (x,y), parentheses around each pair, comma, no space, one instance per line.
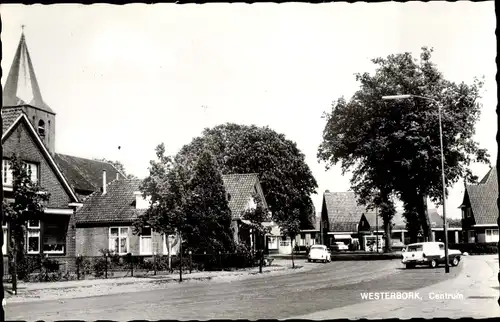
(376,224)
(2,242)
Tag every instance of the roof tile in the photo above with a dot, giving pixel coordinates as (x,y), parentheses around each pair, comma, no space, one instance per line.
(117,205)
(344,213)
(483,199)
(85,174)
(240,188)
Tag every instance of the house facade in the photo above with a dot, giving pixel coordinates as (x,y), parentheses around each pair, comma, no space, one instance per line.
(105,223)
(480,210)
(29,131)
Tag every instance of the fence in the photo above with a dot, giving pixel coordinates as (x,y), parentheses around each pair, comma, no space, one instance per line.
(38,268)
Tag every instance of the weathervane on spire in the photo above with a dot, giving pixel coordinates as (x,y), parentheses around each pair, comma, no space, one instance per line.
(22,29)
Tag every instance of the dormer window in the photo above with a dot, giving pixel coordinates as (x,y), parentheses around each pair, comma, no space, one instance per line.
(41,128)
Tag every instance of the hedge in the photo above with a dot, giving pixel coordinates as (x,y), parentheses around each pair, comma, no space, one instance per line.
(476,248)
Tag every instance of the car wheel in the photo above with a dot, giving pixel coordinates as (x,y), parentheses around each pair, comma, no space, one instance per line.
(409,266)
(455,261)
(309,260)
(433,263)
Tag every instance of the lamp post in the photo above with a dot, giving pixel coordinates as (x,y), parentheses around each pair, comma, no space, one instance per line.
(398,97)
(376,225)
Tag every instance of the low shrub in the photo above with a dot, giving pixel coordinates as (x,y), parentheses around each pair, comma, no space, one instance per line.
(476,248)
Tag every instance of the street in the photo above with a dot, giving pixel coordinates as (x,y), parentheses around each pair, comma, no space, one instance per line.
(333,285)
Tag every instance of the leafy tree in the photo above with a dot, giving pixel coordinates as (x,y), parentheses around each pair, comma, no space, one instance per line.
(119,166)
(192,204)
(290,228)
(28,204)
(394,146)
(208,215)
(286,179)
(166,186)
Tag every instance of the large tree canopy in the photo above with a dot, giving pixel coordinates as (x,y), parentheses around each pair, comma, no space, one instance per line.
(285,177)
(394,145)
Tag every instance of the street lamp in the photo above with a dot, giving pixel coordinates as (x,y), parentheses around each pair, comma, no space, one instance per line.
(398,97)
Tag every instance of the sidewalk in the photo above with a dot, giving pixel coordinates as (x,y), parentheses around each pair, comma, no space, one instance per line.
(86,288)
(477,288)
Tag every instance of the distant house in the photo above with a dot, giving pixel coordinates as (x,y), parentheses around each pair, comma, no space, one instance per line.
(105,223)
(399,234)
(480,210)
(340,218)
(343,219)
(241,190)
(309,237)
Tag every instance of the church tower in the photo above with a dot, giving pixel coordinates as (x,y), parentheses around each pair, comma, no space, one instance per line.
(22,94)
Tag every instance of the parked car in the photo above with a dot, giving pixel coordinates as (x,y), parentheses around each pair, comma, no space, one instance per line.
(319,253)
(339,246)
(429,253)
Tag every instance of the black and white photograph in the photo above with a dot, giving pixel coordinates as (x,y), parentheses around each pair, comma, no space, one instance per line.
(249,161)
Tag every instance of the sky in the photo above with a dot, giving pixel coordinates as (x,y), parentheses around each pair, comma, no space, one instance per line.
(138,75)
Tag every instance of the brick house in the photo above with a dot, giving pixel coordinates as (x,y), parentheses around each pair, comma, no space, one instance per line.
(480,210)
(106,222)
(29,130)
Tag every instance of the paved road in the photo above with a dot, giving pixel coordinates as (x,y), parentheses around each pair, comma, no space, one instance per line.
(330,286)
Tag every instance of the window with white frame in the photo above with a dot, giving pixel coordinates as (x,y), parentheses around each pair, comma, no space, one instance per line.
(173,242)
(272,242)
(491,235)
(6,173)
(119,239)
(5,238)
(284,243)
(146,241)
(33,237)
(31,168)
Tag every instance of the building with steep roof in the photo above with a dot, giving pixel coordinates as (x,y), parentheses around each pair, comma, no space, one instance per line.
(480,210)
(29,131)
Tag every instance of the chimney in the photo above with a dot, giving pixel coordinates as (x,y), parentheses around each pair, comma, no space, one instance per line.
(117,176)
(103,182)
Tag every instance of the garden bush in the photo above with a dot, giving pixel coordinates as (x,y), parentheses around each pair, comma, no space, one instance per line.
(476,248)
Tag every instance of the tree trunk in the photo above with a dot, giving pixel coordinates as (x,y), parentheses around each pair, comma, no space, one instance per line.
(423,216)
(427,228)
(388,232)
(291,244)
(14,271)
(169,250)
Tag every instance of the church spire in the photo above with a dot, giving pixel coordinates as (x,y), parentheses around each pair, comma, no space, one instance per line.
(21,86)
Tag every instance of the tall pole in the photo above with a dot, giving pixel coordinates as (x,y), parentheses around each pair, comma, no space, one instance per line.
(2,242)
(376,224)
(445,224)
(180,257)
(498,180)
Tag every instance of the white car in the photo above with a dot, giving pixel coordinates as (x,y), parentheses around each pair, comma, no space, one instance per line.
(319,253)
(429,253)
(339,246)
